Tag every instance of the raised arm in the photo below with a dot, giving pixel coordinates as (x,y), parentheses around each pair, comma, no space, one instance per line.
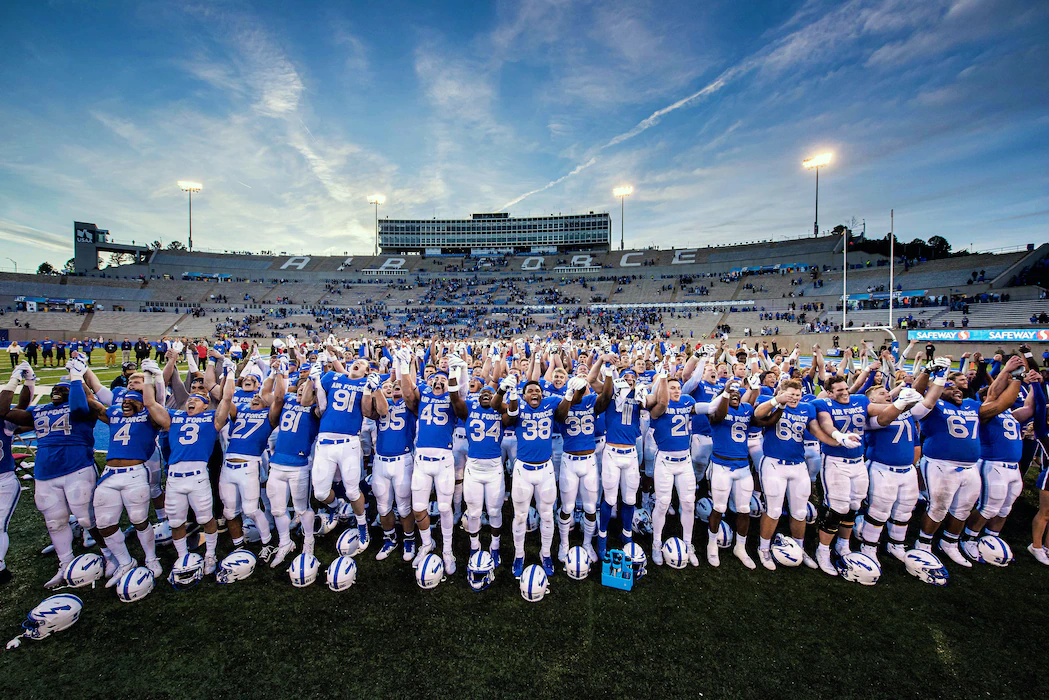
(223,410)
(157,412)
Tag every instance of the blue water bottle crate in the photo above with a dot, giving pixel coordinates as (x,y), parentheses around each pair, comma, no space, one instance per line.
(616,570)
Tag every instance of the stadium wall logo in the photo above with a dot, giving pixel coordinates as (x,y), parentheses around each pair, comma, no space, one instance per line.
(989,336)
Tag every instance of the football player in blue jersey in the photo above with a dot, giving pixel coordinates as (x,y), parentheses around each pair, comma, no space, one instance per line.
(240,485)
(392,467)
(783,472)
(289,477)
(672,431)
(436,405)
(344,408)
(891,451)
(844,471)
(950,452)
(10,489)
(124,484)
(701,383)
(192,434)
(579,474)
(533,475)
(483,483)
(65,471)
(1001,449)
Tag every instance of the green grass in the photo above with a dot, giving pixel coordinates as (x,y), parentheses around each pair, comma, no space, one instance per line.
(706,632)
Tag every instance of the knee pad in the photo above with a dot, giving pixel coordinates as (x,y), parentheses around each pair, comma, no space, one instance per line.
(849,519)
(872,521)
(230,513)
(495,519)
(829,520)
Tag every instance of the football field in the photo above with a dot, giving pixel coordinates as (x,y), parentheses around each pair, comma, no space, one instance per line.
(700,632)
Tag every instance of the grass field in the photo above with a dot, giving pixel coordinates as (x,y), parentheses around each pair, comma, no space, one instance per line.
(700,632)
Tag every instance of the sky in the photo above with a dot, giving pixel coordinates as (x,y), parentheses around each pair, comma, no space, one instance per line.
(291,114)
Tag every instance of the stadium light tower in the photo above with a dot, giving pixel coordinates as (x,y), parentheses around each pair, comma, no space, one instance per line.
(817,162)
(190,187)
(622,192)
(376,199)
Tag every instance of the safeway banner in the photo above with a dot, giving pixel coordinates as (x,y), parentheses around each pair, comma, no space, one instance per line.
(990,335)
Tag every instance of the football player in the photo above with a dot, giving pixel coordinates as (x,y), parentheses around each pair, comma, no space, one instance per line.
(10,489)
(392,466)
(483,483)
(192,434)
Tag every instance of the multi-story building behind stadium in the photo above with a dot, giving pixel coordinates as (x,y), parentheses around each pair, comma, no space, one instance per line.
(497,232)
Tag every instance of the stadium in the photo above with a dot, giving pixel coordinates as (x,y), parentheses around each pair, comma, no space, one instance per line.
(270,433)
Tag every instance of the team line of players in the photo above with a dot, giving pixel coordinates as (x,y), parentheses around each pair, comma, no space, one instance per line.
(571,424)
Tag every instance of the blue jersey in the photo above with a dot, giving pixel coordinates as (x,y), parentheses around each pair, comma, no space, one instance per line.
(703,393)
(848,417)
(250,433)
(764,394)
(192,438)
(484,431)
(579,429)
(47,345)
(673,429)
(534,430)
(7,460)
(298,430)
(808,398)
(730,437)
(436,419)
(623,427)
(1000,439)
(343,414)
(65,435)
(600,426)
(894,444)
(242,399)
(952,432)
(131,437)
(786,439)
(394,433)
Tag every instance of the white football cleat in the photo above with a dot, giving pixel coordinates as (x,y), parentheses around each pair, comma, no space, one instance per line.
(307,545)
(449,563)
(740,550)
(154,566)
(692,558)
(808,561)
(871,551)
(210,564)
(765,557)
(562,552)
(972,550)
(590,552)
(121,570)
(282,552)
(825,565)
(897,550)
(657,553)
(424,549)
(954,554)
(713,557)
(111,565)
(58,579)
(1039,554)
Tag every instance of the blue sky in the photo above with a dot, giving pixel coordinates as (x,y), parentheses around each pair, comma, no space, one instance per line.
(292,113)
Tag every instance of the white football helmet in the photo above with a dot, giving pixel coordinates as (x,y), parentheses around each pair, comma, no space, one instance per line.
(534,584)
(785,551)
(187,572)
(637,558)
(162,532)
(704,507)
(325,523)
(926,567)
(533,519)
(84,570)
(303,570)
(994,550)
(577,565)
(726,536)
(342,573)
(52,615)
(675,553)
(237,566)
(430,572)
(135,585)
(757,505)
(642,521)
(810,513)
(859,568)
(349,542)
(480,570)
(251,530)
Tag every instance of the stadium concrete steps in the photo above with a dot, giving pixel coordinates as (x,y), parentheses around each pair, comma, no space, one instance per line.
(1002,280)
(88,318)
(181,321)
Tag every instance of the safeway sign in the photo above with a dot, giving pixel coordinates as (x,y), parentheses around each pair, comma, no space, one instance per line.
(1034,335)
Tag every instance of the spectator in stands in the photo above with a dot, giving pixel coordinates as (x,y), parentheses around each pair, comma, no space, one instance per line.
(125,350)
(30,352)
(141,350)
(111,352)
(15,350)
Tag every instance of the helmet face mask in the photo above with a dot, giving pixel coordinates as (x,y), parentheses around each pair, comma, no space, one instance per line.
(187,572)
(480,571)
(638,559)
